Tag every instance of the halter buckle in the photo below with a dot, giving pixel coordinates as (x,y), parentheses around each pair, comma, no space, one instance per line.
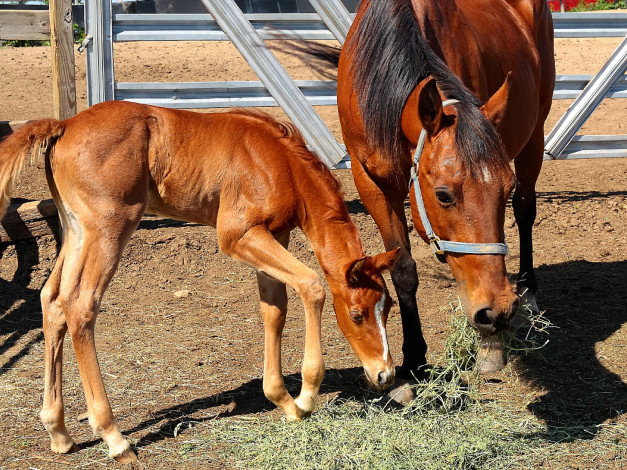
(434,243)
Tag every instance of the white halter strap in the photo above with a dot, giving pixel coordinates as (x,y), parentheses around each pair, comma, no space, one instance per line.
(439,246)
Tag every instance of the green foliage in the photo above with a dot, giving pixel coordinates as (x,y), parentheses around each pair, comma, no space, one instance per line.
(599,5)
(24,43)
(79,33)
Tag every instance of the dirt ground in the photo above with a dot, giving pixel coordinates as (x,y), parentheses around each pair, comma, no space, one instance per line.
(166,359)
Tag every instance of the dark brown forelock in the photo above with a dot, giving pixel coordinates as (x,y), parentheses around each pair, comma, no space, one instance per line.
(390,58)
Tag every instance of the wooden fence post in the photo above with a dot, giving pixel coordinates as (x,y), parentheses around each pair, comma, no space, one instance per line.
(63,71)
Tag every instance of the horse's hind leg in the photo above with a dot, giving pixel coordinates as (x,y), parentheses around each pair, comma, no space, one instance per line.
(277,267)
(54,326)
(87,271)
(527,164)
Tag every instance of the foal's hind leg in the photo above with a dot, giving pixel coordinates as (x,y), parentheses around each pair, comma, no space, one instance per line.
(54,326)
(277,267)
(527,164)
(87,272)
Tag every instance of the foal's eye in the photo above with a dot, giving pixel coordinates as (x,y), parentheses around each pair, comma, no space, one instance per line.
(444,196)
(356,316)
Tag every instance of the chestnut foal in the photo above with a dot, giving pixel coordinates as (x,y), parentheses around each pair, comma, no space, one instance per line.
(241,172)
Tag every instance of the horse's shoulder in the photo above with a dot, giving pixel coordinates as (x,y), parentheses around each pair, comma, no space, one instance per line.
(532,12)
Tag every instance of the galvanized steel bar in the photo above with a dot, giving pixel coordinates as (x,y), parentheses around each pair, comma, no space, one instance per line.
(586,102)
(571,86)
(197,95)
(589,24)
(275,78)
(185,27)
(594,146)
(335,16)
(99,51)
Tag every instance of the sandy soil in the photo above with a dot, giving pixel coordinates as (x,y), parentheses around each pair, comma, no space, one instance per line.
(165,357)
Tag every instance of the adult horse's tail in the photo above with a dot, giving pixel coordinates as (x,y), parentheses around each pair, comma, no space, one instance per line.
(322,58)
(34,138)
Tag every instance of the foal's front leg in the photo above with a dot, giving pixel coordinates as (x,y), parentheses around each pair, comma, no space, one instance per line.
(277,267)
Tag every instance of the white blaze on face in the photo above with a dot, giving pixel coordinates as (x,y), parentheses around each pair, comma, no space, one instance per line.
(487,176)
(378,315)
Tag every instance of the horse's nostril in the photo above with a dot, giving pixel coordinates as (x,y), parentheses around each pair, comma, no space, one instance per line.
(381,378)
(482,317)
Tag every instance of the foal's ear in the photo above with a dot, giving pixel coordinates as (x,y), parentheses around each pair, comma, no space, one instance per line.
(495,108)
(384,261)
(430,107)
(354,270)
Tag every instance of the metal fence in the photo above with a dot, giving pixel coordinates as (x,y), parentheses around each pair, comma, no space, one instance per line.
(106,28)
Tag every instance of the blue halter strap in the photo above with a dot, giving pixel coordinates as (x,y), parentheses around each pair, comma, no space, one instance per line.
(439,246)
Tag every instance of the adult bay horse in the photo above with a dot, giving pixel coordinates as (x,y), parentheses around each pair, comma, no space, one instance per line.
(468,82)
(243,173)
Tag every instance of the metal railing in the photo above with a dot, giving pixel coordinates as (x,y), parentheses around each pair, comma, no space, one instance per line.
(195,95)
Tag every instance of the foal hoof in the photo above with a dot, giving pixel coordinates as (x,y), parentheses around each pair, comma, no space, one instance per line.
(490,357)
(297,415)
(66,448)
(128,456)
(401,392)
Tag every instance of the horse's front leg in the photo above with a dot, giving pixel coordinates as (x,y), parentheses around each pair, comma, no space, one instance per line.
(277,267)
(385,203)
(527,164)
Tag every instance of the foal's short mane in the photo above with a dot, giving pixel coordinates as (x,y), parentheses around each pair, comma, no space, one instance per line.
(390,58)
(298,149)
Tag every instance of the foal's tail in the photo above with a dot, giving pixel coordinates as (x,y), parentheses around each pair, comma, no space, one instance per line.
(35,138)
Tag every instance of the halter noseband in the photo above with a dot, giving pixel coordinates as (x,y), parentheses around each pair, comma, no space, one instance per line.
(438,246)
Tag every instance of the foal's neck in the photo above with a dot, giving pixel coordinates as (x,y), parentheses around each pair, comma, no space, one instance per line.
(325,220)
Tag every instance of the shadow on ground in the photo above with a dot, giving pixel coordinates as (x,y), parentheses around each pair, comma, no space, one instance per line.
(246,399)
(587,302)
(20,308)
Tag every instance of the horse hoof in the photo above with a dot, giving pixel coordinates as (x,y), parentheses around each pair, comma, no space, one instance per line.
(68,448)
(528,303)
(519,321)
(491,358)
(401,392)
(128,456)
(305,406)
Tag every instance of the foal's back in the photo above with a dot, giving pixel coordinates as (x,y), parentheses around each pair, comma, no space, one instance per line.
(182,164)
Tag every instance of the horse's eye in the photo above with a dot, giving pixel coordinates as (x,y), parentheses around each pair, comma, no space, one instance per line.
(444,196)
(356,316)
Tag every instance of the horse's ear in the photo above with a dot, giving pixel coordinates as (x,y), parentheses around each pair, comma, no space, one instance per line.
(494,109)
(384,261)
(354,270)
(430,107)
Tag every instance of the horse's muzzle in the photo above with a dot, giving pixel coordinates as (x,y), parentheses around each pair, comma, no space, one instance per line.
(490,321)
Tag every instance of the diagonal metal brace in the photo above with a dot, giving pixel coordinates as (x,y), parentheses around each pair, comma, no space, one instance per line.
(335,16)
(585,104)
(232,21)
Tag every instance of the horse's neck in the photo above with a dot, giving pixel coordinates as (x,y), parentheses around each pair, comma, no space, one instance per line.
(333,235)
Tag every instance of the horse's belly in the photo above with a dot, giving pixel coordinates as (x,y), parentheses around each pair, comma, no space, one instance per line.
(185,202)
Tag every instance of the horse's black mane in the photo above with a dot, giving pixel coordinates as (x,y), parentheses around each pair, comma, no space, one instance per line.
(390,58)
